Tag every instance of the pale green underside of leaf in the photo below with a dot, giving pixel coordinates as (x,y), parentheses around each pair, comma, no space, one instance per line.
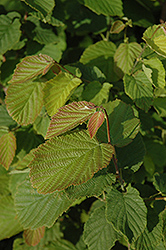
(127,212)
(9,224)
(98,233)
(30,67)
(9,32)
(33,237)
(70,116)
(155,38)
(124,126)
(139,89)
(58,90)
(7,149)
(158,71)
(24,101)
(105,7)
(42,6)
(103,95)
(125,55)
(68,160)
(35,210)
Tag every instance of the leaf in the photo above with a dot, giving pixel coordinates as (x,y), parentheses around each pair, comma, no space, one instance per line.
(103,95)
(9,225)
(35,210)
(101,55)
(70,116)
(27,99)
(41,124)
(158,71)
(95,122)
(125,55)
(62,244)
(30,67)
(98,233)
(160,182)
(33,237)
(58,90)
(139,89)
(41,6)
(93,187)
(127,212)
(7,149)
(160,105)
(124,126)
(105,7)
(5,118)
(68,160)
(117,27)
(155,38)
(9,31)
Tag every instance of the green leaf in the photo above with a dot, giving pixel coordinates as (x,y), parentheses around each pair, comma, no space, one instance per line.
(101,55)
(103,95)
(105,7)
(155,38)
(160,182)
(7,149)
(93,187)
(125,55)
(30,67)
(160,105)
(124,126)
(62,244)
(27,99)
(42,6)
(95,122)
(5,118)
(33,237)
(117,27)
(127,212)
(58,90)
(139,89)
(70,116)
(9,224)
(98,233)
(41,124)
(68,160)
(158,71)
(9,31)
(35,210)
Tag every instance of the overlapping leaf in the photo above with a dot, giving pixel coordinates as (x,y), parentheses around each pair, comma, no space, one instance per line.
(33,237)
(140,90)
(68,160)
(160,106)
(105,7)
(98,233)
(35,210)
(24,101)
(160,182)
(125,55)
(58,90)
(103,95)
(70,116)
(127,212)
(7,149)
(117,27)
(30,67)
(95,122)
(9,31)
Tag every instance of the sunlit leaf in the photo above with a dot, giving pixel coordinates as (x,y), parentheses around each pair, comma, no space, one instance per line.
(9,31)
(117,27)
(69,117)
(127,212)
(7,149)
(98,233)
(105,7)
(30,67)
(139,89)
(58,90)
(33,237)
(95,122)
(35,210)
(103,95)
(27,99)
(68,160)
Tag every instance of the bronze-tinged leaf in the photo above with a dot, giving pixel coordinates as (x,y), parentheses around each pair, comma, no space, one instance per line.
(33,237)
(70,116)
(7,149)
(95,122)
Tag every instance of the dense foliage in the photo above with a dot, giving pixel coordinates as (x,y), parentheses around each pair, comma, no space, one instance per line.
(83,124)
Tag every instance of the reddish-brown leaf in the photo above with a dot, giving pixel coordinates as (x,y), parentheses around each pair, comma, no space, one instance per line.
(95,122)
(33,237)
